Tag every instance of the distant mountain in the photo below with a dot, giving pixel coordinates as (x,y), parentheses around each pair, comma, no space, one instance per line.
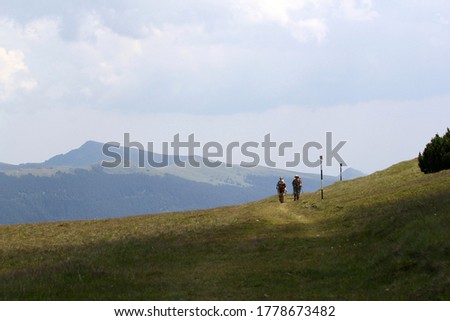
(90,153)
(351,173)
(4,166)
(74,186)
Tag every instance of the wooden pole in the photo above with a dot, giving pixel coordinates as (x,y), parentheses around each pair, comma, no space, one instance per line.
(321,177)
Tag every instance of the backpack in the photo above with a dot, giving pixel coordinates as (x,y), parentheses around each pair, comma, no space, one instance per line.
(297,182)
(281,187)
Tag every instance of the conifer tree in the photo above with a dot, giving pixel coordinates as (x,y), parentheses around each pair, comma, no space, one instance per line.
(436,155)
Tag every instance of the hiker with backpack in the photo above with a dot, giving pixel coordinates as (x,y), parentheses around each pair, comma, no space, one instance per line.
(297,187)
(281,189)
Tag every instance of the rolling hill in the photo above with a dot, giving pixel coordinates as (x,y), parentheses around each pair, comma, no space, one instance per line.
(73,186)
(380,237)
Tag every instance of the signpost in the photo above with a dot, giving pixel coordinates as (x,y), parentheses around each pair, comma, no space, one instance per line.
(321,177)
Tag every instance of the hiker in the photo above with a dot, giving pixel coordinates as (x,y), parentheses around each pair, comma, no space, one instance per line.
(297,187)
(281,189)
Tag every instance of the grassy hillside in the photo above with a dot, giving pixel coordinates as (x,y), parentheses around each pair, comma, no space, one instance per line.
(385,236)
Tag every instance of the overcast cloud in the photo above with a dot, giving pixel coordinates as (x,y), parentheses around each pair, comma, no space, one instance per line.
(375,73)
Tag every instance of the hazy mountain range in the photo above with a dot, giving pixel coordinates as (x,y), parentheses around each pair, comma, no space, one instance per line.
(75,186)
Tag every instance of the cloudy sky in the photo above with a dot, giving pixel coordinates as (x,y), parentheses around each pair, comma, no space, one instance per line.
(375,73)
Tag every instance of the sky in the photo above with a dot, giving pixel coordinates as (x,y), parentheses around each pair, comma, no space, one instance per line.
(374,73)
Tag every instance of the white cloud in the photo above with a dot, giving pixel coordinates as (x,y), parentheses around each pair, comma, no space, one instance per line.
(358,9)
(306,20)
(14,74)
(42,29)
(215,58)
(266,10)
(303,30)
(285,13)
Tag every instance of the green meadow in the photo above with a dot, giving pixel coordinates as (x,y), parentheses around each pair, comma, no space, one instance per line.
(381,237)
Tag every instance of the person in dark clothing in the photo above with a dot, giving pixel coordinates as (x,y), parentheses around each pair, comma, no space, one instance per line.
(297,187)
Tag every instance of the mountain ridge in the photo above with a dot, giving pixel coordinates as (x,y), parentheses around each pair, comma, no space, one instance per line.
(74,186)
(90,154)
